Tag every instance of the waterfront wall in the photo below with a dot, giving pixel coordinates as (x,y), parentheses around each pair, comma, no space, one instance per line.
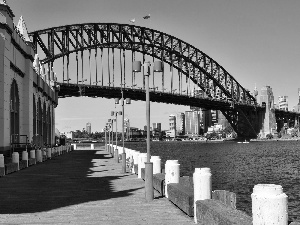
(269,203)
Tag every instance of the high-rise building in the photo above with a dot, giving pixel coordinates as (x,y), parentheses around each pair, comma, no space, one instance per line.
(192,122)
(157,127)
(89,128)
(180,124)
(283,103)
(172,122)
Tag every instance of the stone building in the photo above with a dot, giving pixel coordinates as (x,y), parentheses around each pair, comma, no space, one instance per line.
(27,98)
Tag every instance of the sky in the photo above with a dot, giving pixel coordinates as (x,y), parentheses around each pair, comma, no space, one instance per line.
(257,42)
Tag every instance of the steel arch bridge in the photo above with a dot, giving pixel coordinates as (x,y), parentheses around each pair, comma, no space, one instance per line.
(220,89)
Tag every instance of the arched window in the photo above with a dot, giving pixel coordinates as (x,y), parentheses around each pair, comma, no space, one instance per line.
(44,124)
(14,112)
(40,123)
(34,121)
(49,125)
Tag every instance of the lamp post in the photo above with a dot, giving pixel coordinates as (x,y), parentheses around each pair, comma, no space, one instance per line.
(112,137)
(116,150)
(105,129)
(110,124)
(158,67)
(123,152)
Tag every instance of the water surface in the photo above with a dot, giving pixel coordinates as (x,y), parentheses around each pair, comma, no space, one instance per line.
(238,167)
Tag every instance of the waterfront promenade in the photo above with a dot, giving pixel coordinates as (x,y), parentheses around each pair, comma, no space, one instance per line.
(81,187)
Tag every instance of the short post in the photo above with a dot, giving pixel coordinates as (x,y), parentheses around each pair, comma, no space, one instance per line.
(49,153)
(2,165)
(202,186)
(2,161)
(141,163)
(44,153)
(149,180)
(156,164)
(269,205)
(16,159)
(135,159)
(25,157)
(117,154)
(32,155)
(92,146)
(167,175)
(39,156)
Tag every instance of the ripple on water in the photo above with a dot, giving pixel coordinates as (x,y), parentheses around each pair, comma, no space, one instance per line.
(238,167)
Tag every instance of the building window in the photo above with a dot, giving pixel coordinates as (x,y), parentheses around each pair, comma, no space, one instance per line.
(49,130)
(40,124)
(14,112)
(34,120)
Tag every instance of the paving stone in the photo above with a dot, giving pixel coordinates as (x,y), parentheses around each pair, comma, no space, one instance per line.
(82,187)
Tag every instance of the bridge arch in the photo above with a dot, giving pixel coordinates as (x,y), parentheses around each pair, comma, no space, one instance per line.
(201,69)
(235,102)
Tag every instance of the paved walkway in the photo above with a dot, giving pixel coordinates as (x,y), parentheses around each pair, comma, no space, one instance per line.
(81,187)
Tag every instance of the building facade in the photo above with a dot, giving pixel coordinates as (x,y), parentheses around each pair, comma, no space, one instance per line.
(192,122)
(180,124)
(156,127)
(283,103)
(89,128)
(27,98)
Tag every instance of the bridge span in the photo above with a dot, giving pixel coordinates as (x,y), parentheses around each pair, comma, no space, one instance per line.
(96,61)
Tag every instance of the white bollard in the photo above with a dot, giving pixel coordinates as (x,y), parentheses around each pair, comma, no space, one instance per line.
(156,164)
(135,159)
(49,153)
(16,159)
(269,205)
(44,153)
(25,157)
(167,178)
(141,163)
(202,186)
(92,146)
(39,157)
(32,154)
(2,161)
(74,146)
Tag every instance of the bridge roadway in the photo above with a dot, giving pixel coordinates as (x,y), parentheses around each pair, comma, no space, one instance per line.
(94,91)
(81,187)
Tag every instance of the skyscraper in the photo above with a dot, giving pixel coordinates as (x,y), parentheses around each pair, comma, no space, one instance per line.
(157,127)
(89,128)
(283,103)
(172,122)
(180,124)
(192,122)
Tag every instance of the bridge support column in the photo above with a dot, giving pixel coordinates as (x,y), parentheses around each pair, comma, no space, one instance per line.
(269,121)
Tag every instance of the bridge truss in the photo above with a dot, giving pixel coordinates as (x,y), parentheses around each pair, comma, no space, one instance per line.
(117,45)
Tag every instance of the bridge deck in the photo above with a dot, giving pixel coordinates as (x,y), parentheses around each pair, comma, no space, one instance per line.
(82,187)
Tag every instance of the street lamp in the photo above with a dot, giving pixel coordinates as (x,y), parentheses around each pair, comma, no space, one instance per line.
(127,101)
(110,124)
(105,129)
(116,150)
(158,67)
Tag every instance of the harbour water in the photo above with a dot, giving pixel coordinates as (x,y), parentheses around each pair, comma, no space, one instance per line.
(237,167)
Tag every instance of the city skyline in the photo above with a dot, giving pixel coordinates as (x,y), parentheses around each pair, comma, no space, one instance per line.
(248,39)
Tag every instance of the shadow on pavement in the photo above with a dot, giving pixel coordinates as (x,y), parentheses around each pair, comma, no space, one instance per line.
(66,180)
